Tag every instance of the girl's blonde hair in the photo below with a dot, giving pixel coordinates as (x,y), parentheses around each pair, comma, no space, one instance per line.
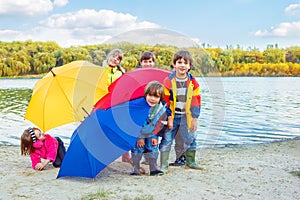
(154,88)
(117,53)
(27,142)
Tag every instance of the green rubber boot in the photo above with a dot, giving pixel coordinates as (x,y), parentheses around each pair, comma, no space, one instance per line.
(190,161)
(164,161)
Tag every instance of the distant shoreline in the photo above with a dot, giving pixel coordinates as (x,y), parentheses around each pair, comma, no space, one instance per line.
(39,76)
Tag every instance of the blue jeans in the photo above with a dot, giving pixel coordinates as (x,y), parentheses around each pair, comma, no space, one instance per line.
(180,127)
(149,150)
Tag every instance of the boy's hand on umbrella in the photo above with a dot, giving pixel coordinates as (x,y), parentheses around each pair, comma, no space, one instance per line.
(154,142)
(140,143)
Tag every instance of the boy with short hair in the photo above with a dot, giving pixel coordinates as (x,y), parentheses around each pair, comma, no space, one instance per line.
(183,100)
(147,143)
(147,59)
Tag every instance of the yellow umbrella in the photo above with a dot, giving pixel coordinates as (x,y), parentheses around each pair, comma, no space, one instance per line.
(66,94)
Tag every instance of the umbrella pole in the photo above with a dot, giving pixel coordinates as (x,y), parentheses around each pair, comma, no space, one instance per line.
(50,69)
(85,111)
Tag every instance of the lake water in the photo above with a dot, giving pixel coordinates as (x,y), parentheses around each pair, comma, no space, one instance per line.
(235,110)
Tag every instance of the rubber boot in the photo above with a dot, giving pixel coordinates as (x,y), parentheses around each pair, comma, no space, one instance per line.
(164,161)
(190,160)
(136,158)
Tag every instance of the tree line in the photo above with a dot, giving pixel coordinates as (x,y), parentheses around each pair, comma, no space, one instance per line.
(34,58)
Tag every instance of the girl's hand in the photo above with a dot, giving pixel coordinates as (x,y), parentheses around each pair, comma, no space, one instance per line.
(140,143)
(194,125)
(170,122)
(154,142)
(39,166)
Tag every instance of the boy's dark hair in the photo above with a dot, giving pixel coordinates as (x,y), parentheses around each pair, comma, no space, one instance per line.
(147,55)
(186,55)
(154,88)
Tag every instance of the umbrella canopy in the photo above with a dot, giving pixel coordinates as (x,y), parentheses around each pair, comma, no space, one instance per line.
(102,137)
(130,86)
(109,132)
(65,94)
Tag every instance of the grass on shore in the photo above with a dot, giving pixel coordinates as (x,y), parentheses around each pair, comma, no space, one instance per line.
(296,173)
(106,195)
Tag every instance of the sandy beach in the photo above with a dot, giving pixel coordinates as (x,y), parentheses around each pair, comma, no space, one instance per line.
(245,172)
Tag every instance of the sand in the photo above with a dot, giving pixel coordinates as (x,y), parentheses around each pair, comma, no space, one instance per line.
(243,172)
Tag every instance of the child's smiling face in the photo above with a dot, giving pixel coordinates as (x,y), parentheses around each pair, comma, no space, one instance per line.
(113,61)
(39,135)
(152,100)
(147,63)
(181,67)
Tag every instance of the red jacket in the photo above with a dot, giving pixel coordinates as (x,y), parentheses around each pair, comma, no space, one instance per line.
(46,149)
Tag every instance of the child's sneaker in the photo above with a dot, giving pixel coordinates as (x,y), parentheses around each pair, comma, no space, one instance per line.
(179,162)
(156,173)
(134,174)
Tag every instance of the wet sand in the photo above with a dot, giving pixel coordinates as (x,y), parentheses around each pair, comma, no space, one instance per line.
(243,172)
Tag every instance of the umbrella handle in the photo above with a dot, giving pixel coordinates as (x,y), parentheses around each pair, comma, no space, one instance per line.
(85,111)
(50,69)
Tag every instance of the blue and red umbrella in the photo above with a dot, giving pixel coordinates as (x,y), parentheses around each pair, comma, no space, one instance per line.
(113,126)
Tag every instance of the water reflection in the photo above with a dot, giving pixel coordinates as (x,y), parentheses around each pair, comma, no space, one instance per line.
(234,111)
(14,100)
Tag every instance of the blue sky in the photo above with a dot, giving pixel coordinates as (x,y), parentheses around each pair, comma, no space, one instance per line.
(248,23)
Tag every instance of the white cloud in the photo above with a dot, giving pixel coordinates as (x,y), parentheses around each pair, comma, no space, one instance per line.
(25,7)
(80,28)
(60,3)
(293,9)
(8,34)
(284,33)
(102,19)
(29,7)
(286,29)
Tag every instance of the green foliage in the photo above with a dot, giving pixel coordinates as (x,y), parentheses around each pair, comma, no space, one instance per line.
(21,58)
(293,54)
(106,195)
(31,58)
(274,55)
(296,173)
(101,194)
(75,53)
